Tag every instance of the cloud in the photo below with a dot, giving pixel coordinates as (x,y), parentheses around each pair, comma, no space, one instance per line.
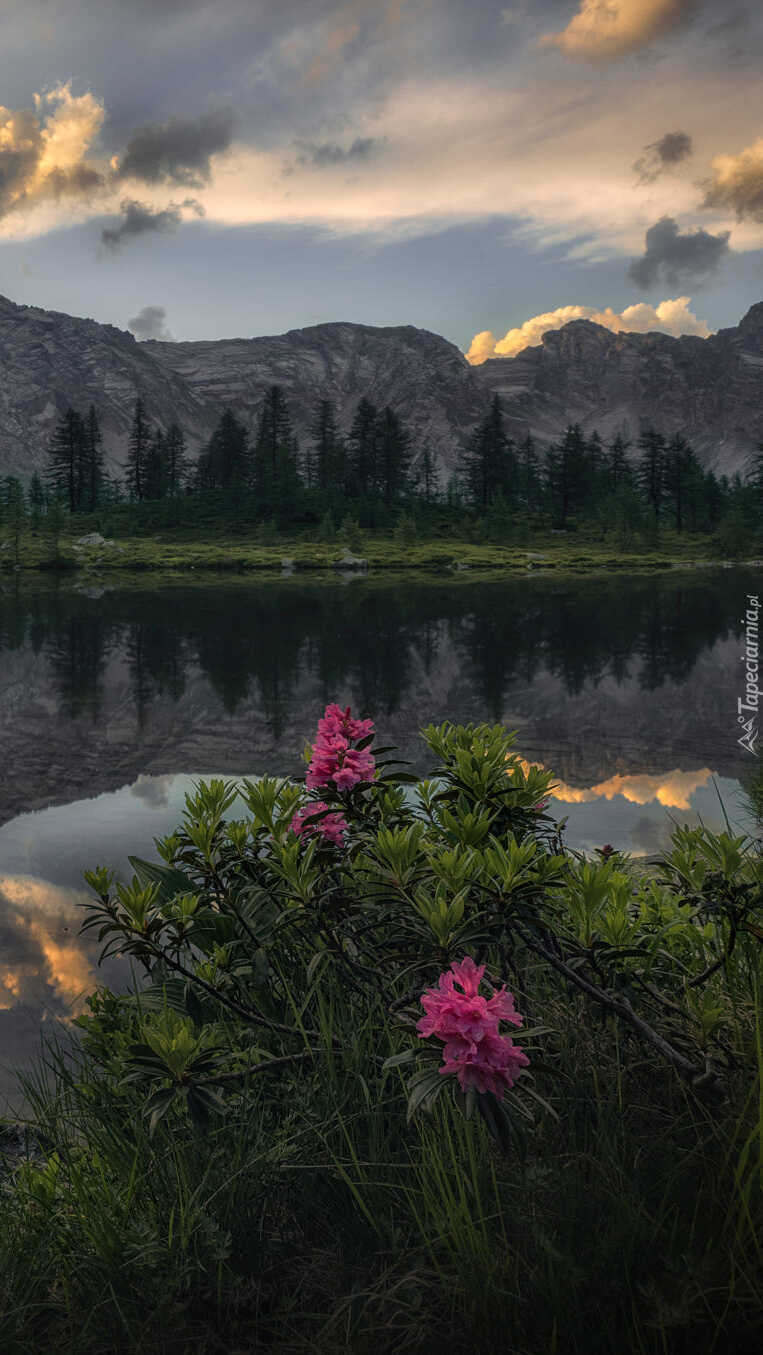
(672,258)
(153,790)
(176,152)
(43,958)
(139,219)
(737,182)
(327,153)
(671,149)
(42,149)
(669,317)
(672,790)
(149,324)
(603,30)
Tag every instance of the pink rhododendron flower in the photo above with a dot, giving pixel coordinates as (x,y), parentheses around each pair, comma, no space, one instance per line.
(338,721)
(332,827)
(467,1023)
(333,758)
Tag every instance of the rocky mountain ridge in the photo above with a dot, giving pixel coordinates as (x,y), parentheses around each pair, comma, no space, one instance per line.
(709,389)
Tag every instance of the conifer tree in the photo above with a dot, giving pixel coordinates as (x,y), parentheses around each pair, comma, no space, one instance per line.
(565,468)
(393,456)
(225,461)
(64,472)
(137,454)
(681,473)
(328,451)
(426,476)
(92,463)
(490,462)
(616,470)
(175,460)
(528,476)
(36,500)
(361,442)
(650,472)
(155,467)
(276,453)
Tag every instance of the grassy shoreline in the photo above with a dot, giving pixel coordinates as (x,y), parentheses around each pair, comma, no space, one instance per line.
(172,552)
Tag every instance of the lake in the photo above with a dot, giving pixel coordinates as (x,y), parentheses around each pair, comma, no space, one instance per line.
(115,696)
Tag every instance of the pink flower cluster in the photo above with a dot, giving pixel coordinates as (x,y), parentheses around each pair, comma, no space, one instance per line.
(468,1025)
(331,827)
(333,758)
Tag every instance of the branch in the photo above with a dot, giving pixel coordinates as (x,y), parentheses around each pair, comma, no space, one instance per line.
(245,1013)
(699,1078)
(256,1068)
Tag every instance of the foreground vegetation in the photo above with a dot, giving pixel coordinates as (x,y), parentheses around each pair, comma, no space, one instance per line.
(223,548)
(267,1145)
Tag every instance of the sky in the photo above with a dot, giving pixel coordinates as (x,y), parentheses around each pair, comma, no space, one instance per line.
(486,171)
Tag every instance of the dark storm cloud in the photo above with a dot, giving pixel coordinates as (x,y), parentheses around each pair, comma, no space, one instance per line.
(149,323)
(671,149)
(140,219)
(178,151)
(327,153)
(675,259)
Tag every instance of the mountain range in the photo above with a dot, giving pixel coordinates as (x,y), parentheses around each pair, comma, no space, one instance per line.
(708,389)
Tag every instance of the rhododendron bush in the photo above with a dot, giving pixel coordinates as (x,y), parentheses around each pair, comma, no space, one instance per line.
(284,912)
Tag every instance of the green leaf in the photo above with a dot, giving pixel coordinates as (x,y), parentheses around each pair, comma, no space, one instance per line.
(169,880)
(171,993)
(395,1060)
(423,1089)
(157,1106)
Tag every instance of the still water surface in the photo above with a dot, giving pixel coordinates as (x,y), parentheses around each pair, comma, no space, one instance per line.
(114,699)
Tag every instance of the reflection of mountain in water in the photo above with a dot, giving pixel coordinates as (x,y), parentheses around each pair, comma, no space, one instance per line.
(604,677)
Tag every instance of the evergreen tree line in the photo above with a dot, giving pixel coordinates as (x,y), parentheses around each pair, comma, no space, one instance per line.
(655,482)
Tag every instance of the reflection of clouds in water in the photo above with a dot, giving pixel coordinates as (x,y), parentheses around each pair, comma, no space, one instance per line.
(672,790)
(44,962)
(154,791)
(650,837)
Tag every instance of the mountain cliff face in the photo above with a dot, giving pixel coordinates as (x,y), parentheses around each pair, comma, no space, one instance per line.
(49,361)
(422,376)
(709,389)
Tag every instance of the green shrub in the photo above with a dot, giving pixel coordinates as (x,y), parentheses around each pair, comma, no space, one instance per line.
(257,1146)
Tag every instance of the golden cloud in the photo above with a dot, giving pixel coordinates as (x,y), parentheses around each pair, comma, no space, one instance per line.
(43,149)
(48,963)
(605,29)
(669,317)
(672,789)
(737,182)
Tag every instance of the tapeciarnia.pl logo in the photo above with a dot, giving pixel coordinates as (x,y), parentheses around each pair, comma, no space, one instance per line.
(748,706)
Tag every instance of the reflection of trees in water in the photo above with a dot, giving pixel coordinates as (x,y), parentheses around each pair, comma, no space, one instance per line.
(77,657)
(363,636)
(677,627)
(156,661)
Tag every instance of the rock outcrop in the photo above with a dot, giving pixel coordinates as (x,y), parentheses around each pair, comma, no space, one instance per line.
(708,389)
(50,361)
